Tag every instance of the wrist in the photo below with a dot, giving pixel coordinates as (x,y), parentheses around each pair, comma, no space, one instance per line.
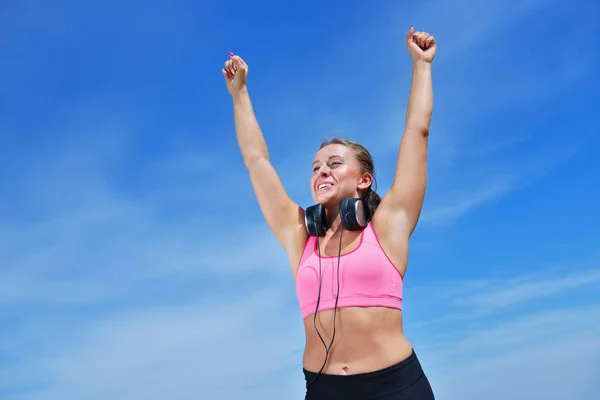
(421,65)
(240,95)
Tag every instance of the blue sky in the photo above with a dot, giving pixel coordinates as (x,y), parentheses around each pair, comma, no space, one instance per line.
(135,263)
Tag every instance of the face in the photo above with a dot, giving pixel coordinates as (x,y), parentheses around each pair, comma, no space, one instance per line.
(336,174)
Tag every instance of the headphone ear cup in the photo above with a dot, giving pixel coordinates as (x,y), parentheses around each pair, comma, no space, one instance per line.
(315,220)
(354,214)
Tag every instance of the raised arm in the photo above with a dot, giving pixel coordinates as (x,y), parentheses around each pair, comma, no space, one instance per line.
(404,201)
(284,217)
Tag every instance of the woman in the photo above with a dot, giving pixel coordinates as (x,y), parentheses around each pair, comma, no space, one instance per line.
(349,252)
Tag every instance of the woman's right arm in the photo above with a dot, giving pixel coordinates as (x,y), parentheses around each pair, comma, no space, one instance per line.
(284,217)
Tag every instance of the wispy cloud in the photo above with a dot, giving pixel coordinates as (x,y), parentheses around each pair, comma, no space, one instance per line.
(455,204)
(217,344)
(176,351)
(510,336)
(518,357)
(470,300)
(499,294)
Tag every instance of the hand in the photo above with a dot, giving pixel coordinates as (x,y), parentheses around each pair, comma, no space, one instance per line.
(421,46)
(235,73)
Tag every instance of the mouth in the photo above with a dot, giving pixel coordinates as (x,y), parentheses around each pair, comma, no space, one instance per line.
(324,187)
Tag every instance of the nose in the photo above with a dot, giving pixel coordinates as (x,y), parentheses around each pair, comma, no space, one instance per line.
(324,172)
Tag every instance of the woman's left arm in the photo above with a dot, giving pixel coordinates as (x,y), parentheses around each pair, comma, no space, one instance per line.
(403,203)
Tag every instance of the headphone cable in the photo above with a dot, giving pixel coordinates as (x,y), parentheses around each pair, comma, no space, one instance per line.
(327,348)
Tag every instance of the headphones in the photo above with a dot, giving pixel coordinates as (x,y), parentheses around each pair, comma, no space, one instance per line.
(353,213)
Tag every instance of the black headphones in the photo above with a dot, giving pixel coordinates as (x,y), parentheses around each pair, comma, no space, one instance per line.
(353,212)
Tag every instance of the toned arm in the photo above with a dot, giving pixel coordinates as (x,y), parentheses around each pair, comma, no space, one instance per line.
(399,211)
(284,217)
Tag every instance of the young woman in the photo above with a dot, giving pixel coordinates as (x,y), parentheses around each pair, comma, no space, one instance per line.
(349,252)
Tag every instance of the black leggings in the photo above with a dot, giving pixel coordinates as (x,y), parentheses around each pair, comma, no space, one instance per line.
(403,381)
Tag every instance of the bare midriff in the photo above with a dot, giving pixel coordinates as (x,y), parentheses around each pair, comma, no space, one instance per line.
(367,339)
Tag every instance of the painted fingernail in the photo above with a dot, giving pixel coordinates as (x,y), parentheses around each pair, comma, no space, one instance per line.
(410,27)
(230,54)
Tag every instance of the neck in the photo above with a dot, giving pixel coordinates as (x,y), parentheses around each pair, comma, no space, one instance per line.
(333,219)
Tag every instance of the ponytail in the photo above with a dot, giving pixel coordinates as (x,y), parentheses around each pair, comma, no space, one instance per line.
(372,200)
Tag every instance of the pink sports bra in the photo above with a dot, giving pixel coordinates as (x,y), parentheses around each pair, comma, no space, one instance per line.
(367,277)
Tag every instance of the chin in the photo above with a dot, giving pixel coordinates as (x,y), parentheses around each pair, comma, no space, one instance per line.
(327,198)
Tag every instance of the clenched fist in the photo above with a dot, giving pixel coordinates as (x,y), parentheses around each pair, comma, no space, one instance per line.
(421,45)
(235,73)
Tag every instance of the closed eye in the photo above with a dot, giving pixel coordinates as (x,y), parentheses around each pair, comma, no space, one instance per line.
(331,164)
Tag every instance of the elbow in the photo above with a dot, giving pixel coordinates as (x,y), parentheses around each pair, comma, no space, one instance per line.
(254,159)
(421,130)
(419,123)
(254,154)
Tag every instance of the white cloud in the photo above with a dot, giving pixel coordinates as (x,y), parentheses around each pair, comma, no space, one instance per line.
(457,204)
(550,356)
(459,302)
(488,339)
(500,294)
(218,346)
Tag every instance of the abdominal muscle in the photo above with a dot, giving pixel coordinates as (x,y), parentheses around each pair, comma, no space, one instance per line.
(367,339)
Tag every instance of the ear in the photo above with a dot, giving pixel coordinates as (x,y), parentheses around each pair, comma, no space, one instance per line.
(365,181)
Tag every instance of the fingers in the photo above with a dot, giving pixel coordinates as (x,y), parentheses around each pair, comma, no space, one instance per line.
(233,65)
(237,59)
(430,41)
(423,39)
(229,69)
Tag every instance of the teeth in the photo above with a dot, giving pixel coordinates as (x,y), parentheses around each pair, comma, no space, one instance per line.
(324,185)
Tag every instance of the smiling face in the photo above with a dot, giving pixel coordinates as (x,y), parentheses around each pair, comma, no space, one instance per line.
(337,174)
